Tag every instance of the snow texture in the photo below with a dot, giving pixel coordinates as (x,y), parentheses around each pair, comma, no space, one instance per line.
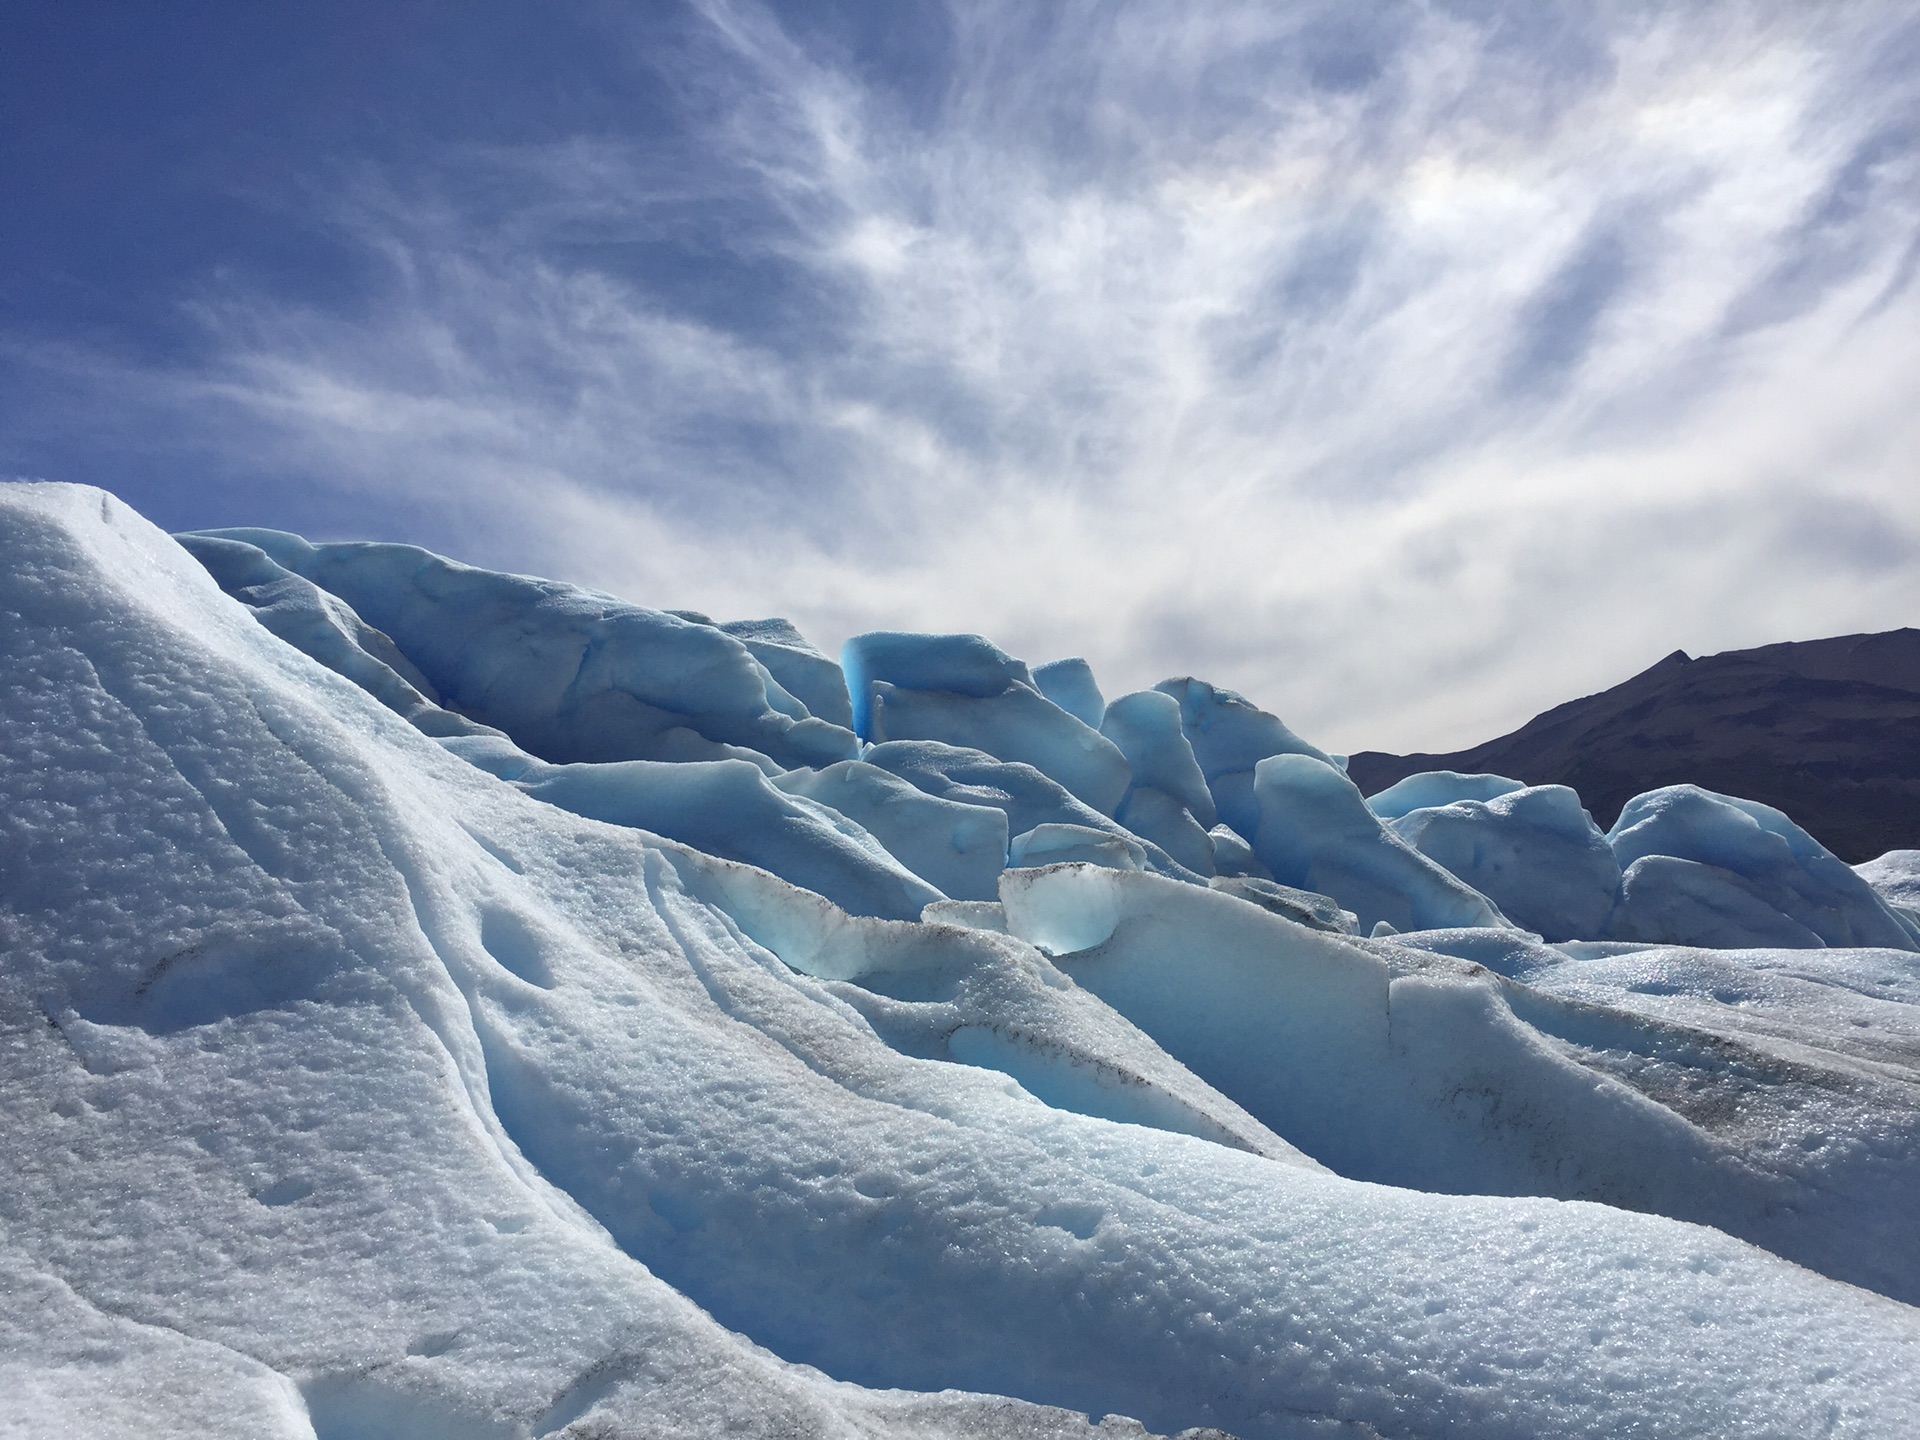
(376,1068)
(1895,876)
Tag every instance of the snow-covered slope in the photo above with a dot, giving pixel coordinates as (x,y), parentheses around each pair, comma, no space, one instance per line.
(368,1072)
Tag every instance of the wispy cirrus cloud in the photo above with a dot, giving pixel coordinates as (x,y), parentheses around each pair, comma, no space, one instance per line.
(1408,367)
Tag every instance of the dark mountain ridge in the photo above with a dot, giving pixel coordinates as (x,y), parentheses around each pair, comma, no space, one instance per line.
(1826,730)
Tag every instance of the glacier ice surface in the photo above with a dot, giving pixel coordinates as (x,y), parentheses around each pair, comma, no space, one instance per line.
(1303,907)
(1895,876)
(1232,855)
(570,674)
(1028,797)
(729,808)
(1432,788)
(801,670)
(958,848)
(1145,726)
(965,691)
(1075,844)
(1774,860)
(1160,818)
(371,1073)
(1230,736)
(1418,1062)
(1167,801)
(1070,684)
(1316,832)
(1532,850)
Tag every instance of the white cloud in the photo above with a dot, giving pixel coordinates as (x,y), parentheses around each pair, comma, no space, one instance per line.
(1408,371)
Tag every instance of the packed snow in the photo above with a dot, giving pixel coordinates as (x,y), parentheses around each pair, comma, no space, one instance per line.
(443,1003)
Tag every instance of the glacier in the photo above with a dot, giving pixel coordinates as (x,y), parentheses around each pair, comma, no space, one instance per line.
(443,1003)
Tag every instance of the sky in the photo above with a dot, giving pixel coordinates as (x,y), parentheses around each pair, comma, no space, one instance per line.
(1409,368)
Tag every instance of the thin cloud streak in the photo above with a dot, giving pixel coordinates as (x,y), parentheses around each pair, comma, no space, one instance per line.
(1406,370)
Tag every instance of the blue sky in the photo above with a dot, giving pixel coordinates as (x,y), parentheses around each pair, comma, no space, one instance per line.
(1409,367)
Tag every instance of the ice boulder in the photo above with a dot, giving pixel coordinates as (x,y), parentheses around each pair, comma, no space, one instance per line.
(963,690)
(1316,832)
(1777,862)
(1533,851)
(1432,788)
(571,674)
(1070,685)
(957,846)
(1230,735)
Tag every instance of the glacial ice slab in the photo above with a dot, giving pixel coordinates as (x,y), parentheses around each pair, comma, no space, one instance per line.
(1028,797)
(728,808)
(1533,851)
(1168,801)
(1230,736)
(325,627)
(958,847)
(1316,832)
(1779,863)
(1146,727)
(1666,900)
(1070,684)
(1075,844)
(1433,788)
(811,677)
(571,674)
(1160,819)
(964,691)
